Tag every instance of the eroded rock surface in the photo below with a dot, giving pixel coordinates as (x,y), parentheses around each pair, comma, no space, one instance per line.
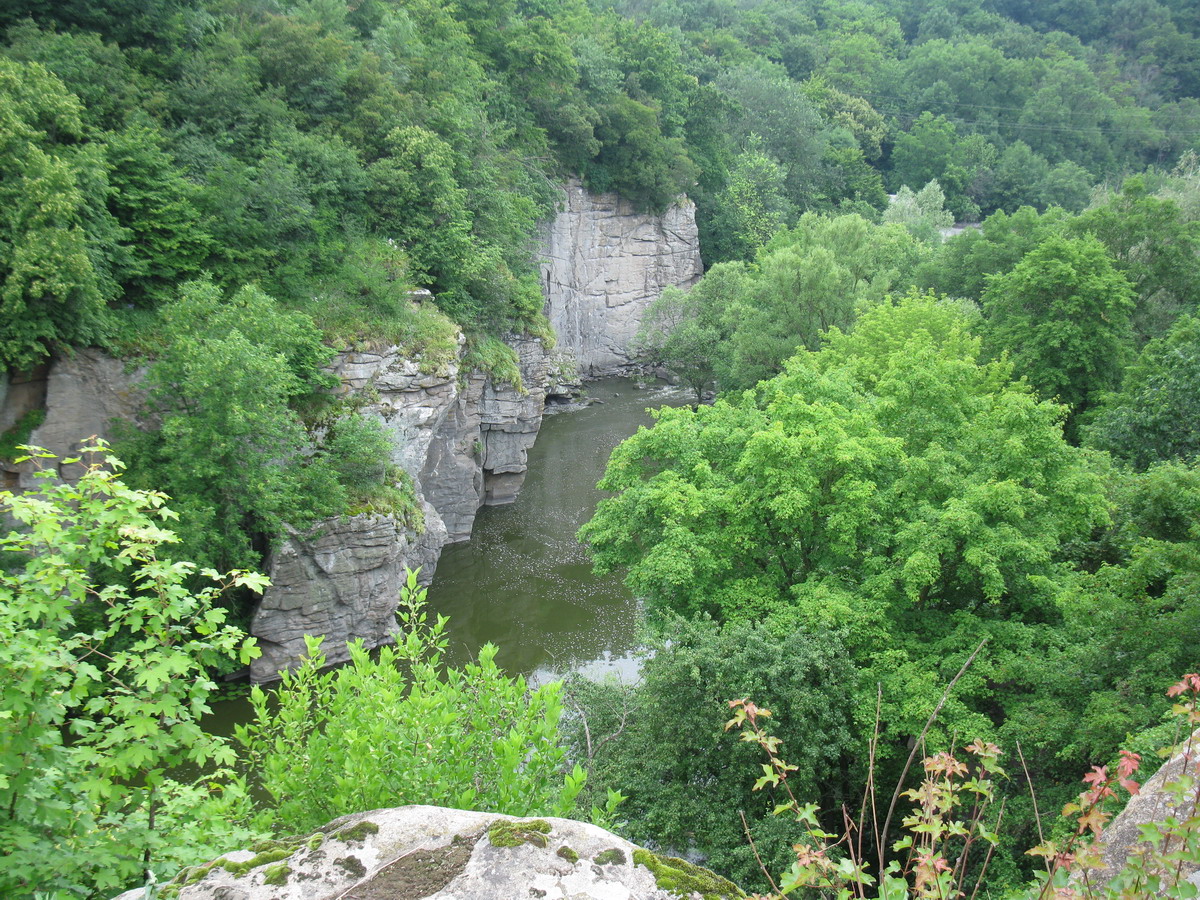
(415,852)
(604,264)
(1154,803)
(83,394)
(462,439)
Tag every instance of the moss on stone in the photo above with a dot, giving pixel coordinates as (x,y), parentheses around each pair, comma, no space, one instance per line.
(523,831)
(277,873)
(316,839)
(611,856)
(357,832)
(268,844)
(261,859)
(352,864)
(568,854)
(682,878)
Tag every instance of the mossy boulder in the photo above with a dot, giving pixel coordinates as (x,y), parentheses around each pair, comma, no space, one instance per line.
(430,853)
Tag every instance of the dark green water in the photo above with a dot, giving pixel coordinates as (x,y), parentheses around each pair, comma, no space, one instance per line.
(523,582)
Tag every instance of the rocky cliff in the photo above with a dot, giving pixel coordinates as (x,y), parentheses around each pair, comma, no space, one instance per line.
(82,394)
(461,436)
(414,852)
(463,439)
(604,264)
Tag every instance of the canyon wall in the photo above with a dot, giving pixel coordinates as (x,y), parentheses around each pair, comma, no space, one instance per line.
(461,436)
(605,262)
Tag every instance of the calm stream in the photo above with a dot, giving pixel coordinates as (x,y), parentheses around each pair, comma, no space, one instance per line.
(523,582)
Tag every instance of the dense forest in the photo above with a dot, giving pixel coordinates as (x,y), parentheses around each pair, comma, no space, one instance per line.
(920,448)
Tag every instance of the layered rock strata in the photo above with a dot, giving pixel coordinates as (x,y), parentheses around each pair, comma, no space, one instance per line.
(430,852)
(605,262)
(462,437)
(463,440)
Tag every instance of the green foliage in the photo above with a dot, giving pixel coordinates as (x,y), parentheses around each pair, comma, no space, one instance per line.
(51,292)
(367,303)
(921,212)
(869,468)
(1063,316)
(400,727)
(230,445)
(962,267)
(754,204)
(820,274)
(105,659)
(932,150)
(1153,416)
(1154,246)
(495,358)
(683,331)
(662,743)
(17,436)
(952,816)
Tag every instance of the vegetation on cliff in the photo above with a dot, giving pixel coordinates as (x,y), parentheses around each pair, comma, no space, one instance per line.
(917,445)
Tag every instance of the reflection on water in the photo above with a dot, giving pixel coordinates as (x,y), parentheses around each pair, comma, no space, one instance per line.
(523,582)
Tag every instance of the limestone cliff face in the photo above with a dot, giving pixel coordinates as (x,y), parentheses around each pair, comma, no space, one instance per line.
(462,439)
(604,264)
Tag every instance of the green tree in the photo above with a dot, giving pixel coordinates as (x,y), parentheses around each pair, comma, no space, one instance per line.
(933,150)
(1154,246)
(921,213)
(963,265)
(1155,416)
(754,204)
(50,290)
(1063,316)
(662,743)
(685,331)
(230,446)
(105,657)
(864,479)
(404,728)
(820,274)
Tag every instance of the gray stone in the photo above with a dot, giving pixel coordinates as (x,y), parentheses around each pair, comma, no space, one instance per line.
(83,394)
(341,581)
(414,852)
(604,264)
(462,439)
(1152,804)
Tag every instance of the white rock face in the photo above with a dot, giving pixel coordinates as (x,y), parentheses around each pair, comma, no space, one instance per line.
(414,852)
(604,264)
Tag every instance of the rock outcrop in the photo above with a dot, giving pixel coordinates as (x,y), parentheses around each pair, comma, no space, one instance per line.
(82,394)
(604,264)
(416,852)
(462,440)
(1154,803)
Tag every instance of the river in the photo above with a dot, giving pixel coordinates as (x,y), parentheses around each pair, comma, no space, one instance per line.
(522,581)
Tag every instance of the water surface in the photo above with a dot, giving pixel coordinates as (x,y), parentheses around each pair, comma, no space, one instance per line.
(522,581)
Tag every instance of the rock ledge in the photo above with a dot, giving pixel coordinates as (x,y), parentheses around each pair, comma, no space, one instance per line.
(415,852)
